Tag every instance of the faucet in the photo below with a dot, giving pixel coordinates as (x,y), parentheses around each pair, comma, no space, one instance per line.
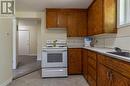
(54,43)
(117,49)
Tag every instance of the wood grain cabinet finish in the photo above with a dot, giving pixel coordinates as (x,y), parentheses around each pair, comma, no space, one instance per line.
(92,68)
(56,18)
(74,61)
(108,77)
(77,23)
(51,18)
(72,30)
(82,23)
(62,19)
(105,71)
(103,76)
(74,20)
(102,17)
(111,72)
(85,63)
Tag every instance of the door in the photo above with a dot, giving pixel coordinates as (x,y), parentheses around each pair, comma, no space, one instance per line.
(23,42)
(103,76)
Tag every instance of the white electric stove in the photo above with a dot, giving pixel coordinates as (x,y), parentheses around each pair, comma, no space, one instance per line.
(54,59)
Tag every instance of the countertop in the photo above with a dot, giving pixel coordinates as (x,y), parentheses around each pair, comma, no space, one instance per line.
(104,52)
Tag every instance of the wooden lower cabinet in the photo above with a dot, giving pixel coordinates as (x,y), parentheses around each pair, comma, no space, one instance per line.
(92,68)
(91,81)
(85,63)
(108,77)
(119,80)
(74,61)
(102,76)
(105,71)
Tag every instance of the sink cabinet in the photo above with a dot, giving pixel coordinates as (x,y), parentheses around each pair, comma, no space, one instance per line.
(103,70)
(108,77)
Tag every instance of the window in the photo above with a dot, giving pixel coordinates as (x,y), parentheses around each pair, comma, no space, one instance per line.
(124,12)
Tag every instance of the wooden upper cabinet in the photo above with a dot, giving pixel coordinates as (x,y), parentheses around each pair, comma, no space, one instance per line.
(74,20)
(72,30)
(62,19)
(77,23)
(56,18)
(102,17)
(51,19)
(82,23)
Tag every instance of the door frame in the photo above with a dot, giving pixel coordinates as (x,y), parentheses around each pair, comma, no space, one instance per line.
(14,40)
(14,66)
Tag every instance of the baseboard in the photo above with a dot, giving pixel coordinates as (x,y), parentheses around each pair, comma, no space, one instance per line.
(7,82)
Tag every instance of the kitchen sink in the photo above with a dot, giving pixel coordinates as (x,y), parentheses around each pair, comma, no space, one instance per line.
(125,54)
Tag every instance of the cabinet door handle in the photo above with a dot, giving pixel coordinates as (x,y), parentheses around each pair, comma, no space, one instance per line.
(108,75)
(58,22)
(111,75)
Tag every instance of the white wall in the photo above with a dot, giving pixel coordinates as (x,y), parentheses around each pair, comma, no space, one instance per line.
(44,34)
(121,39)
(6,27)
(33,26)
(28,14)
(49,34)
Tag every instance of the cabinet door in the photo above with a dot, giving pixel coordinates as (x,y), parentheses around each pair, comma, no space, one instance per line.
(82,24)
(103,76)
(62,19)
(51,19)
(95,18)
(72,25)
(74,61)
(119,80)
(85,63)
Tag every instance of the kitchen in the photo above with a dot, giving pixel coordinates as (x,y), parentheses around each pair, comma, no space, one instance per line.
(83,45)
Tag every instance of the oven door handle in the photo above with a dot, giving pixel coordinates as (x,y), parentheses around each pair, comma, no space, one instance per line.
(54,50)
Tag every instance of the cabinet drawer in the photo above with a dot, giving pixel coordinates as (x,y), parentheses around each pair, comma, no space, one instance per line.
(92,72)
(92,55)
(91,81)
(92,63)
(102,59)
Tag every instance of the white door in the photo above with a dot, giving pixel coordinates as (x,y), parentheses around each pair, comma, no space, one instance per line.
(23,42)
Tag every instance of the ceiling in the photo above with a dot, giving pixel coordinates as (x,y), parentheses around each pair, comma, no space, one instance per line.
(40,5)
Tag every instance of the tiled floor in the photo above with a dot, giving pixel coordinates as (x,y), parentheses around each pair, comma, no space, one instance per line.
(34,79)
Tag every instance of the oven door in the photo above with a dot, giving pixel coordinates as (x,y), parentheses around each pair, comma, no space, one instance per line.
(54,58)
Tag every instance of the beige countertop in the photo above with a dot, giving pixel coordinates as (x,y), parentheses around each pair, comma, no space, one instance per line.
(104,52)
